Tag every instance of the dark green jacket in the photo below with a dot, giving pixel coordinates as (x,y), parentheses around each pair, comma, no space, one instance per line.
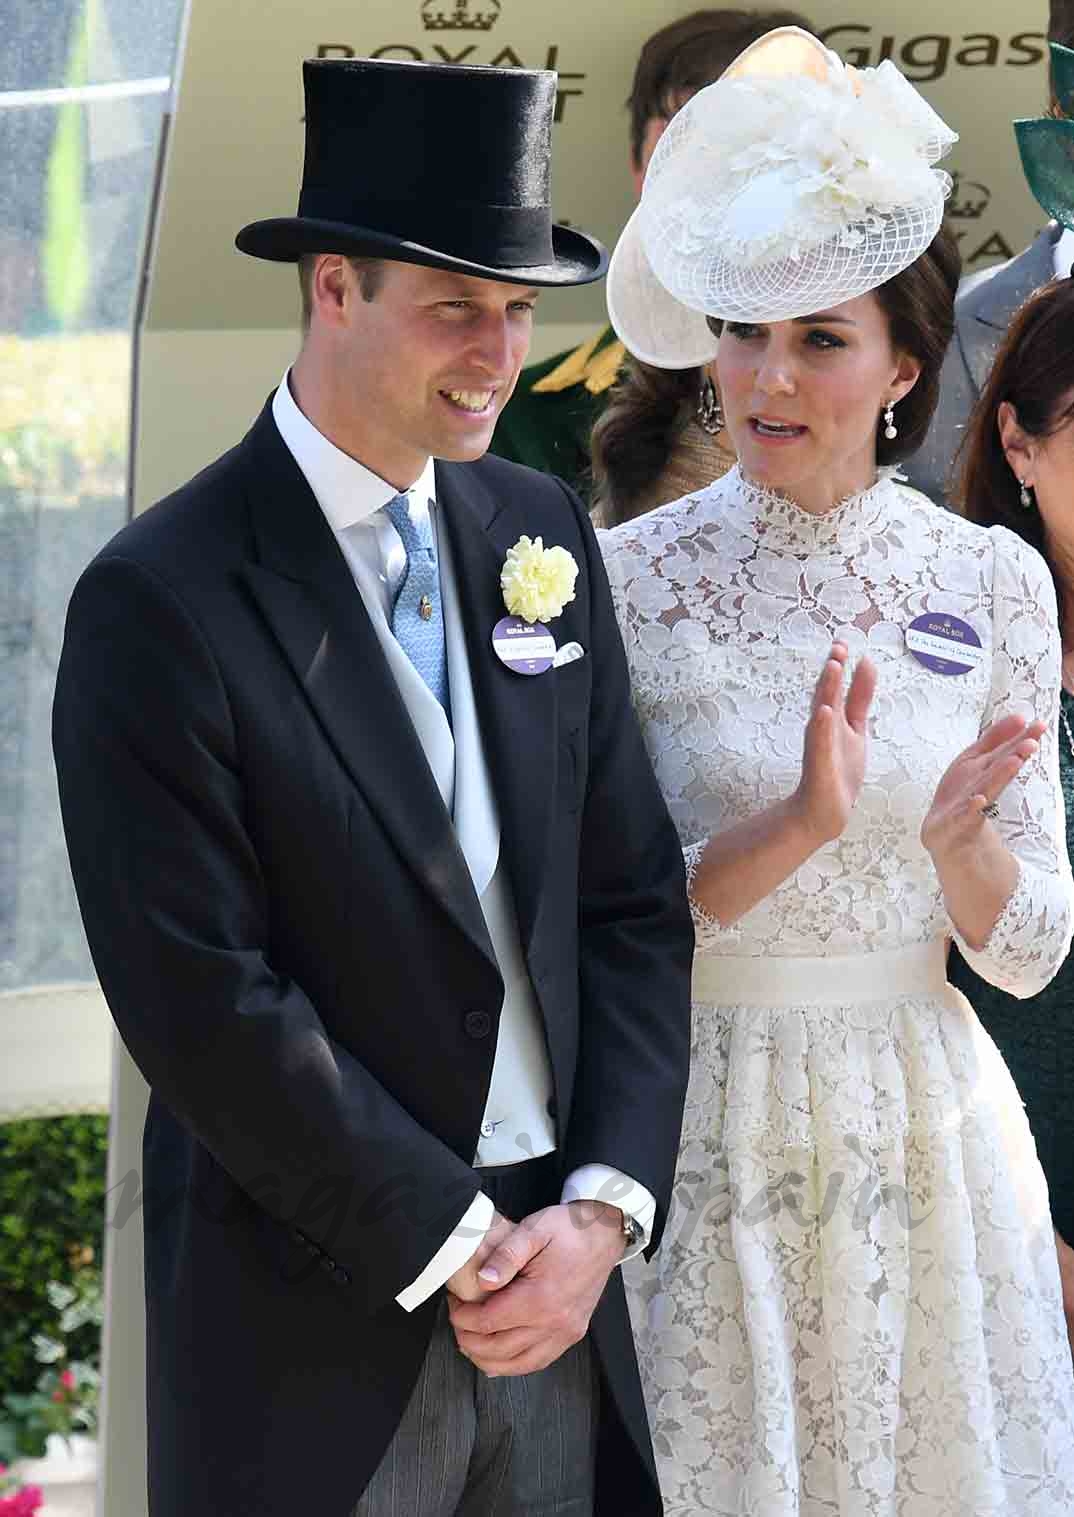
(548,420)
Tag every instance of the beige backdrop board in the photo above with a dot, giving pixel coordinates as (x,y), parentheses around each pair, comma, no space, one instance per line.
(236,155)
(218,328)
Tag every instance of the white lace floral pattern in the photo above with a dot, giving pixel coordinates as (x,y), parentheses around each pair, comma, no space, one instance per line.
(856,1310)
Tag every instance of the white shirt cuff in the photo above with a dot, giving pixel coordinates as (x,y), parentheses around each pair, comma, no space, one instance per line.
(599,1182)
(451,1255)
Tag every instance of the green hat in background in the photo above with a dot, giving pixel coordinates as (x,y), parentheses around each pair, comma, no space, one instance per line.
(1046,144)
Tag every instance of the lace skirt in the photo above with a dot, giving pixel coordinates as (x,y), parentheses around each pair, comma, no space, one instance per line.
(856,1307)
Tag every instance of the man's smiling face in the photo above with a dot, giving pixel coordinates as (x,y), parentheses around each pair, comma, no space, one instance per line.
(426,366)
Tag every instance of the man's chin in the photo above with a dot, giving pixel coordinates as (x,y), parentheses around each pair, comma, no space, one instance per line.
(466,450)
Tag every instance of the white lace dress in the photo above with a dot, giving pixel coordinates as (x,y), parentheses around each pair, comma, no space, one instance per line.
(856,1307)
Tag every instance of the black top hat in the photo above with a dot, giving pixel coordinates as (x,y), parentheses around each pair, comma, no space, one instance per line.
(438,164)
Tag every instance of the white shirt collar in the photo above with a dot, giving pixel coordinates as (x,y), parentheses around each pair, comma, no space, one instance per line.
(347,492)
(1063,254)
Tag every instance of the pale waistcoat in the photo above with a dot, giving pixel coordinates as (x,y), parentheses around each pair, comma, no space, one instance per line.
(517,1122)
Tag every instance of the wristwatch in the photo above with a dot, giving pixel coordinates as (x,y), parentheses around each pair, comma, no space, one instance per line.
(633,1231)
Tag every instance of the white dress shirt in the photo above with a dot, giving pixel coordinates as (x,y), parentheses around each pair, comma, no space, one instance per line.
(1063,254)
(352,498)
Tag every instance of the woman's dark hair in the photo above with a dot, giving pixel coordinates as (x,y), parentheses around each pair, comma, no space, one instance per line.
(1061,30)
(635,434)
(1034,371)
(1061,22)
(649,408)
(919,304)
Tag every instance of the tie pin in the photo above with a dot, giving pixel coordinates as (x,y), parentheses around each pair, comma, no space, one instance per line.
(425,608)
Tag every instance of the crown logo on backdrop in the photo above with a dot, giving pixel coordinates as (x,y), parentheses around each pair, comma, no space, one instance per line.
(460,15)
(969,200)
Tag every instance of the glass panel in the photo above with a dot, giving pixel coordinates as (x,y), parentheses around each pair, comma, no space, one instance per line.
(83,90)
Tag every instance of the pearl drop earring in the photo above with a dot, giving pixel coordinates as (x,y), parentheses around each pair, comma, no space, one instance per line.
(891,431)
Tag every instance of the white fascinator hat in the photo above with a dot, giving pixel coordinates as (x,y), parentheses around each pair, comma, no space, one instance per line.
(793,183)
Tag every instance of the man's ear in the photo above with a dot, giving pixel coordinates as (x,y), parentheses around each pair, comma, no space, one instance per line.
(329,287)
(1017,444)
(654,130)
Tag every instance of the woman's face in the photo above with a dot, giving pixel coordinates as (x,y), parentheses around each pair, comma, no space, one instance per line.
(802,398)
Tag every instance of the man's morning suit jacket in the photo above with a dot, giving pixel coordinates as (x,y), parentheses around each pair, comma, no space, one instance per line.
(288,938)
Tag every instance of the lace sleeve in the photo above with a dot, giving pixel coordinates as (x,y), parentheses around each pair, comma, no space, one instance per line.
(709,933)
(1031,936)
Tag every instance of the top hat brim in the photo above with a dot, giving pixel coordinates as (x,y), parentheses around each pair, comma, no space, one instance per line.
(577,258)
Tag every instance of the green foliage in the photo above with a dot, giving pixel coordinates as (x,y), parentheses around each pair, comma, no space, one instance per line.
(52,1184)
(34,457)
(65,1398)
(64,416)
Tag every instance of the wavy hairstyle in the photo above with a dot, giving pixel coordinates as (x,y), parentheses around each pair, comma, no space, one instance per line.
(1034,372)
(636,433)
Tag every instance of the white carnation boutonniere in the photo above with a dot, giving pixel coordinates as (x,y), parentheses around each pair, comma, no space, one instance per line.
(537,582)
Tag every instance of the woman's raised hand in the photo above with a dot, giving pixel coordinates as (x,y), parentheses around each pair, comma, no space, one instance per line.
(974,780)
(833,759)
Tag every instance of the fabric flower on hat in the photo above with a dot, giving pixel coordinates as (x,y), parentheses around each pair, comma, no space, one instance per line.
(803,161)
(792,183)
(537,582)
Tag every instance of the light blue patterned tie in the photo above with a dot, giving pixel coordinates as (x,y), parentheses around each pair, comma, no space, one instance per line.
(418,615)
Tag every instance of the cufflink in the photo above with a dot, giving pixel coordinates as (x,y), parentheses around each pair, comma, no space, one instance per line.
(633,1231)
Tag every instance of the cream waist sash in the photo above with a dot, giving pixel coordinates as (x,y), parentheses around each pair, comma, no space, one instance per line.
(918,969)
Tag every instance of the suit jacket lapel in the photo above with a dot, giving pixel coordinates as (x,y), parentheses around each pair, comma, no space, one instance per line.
(305,591)
(517,712)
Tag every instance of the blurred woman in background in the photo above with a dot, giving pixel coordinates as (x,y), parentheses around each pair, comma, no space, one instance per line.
(1018,472)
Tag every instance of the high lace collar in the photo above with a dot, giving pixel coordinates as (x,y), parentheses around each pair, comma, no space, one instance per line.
(783,526)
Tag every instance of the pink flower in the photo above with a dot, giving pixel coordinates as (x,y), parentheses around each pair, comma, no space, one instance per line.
(67,1380)
(24,1503)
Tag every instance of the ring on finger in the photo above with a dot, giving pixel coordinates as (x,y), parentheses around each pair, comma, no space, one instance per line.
(991,810)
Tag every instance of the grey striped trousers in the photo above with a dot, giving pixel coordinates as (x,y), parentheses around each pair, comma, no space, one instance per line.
(514,1446)
(467,1446)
